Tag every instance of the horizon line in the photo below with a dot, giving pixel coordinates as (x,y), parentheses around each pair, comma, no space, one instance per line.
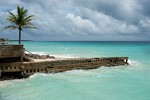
(84,41)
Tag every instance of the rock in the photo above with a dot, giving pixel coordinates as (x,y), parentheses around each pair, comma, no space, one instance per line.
(36,56)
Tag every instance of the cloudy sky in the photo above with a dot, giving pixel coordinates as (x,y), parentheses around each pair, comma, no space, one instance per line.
(82,20)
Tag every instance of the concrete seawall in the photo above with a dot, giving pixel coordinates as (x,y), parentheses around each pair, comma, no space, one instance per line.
(25,69)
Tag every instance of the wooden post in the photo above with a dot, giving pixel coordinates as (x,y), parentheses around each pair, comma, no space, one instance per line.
(0,72)
(21,59)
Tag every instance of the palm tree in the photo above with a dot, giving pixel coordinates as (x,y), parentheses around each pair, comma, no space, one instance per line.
(20,21)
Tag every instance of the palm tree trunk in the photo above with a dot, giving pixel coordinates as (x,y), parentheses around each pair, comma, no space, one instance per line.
(21,59)
(19,35)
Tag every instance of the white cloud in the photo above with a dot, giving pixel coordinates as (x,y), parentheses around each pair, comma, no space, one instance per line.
(99,23)
(85,26)
(70,18)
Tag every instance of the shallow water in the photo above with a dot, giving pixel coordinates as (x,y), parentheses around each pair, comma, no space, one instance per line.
(115,83)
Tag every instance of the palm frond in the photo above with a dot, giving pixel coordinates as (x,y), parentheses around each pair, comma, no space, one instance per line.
(28,18)
(18,9)
(28,26)
(10,27)
(12,18)
(27,23)
(21,19)
(12,15)
(21,14)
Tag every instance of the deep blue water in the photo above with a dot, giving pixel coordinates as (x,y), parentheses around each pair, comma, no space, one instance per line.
(116,83)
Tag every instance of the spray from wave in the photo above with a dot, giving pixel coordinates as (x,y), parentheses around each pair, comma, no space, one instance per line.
(133,62)
(55,55)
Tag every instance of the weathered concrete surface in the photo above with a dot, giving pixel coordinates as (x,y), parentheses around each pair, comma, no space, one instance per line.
(53,66)
(11,53)
(7,51)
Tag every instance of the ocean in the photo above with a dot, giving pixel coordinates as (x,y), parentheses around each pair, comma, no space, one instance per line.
(129,82)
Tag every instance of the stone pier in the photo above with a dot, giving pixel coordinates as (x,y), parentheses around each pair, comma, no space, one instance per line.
(29,68)
(11,65)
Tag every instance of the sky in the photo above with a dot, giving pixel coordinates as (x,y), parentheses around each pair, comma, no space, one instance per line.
(81,20)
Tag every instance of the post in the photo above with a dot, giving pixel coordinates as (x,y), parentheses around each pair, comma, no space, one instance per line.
(0,72)
(21,58)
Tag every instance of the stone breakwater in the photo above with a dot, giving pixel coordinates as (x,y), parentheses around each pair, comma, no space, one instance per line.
(24,69)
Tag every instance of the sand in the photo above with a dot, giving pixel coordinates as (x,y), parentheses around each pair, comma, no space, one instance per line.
(41,60)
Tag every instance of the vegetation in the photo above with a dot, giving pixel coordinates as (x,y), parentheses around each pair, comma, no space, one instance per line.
(4,41)
(20,20)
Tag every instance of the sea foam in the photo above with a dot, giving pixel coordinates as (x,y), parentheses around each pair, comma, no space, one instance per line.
(55,55)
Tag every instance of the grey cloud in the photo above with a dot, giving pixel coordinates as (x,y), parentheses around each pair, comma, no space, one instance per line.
(120,9)
(145,7)
(83,19)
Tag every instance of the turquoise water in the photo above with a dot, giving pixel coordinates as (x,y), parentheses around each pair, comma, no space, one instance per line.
(115,83)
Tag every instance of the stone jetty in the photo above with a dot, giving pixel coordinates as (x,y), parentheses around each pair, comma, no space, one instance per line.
(15,64)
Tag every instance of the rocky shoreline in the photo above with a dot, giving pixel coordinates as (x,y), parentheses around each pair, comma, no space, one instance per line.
(37,56)
(12,76)
(3,78)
